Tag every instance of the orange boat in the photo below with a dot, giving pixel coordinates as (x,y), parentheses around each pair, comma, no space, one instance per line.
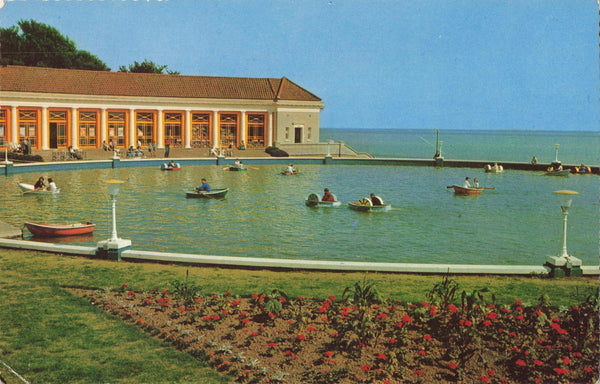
(466,191)
(51,230)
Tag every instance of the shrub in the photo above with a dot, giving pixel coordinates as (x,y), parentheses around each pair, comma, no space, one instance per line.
(276,152)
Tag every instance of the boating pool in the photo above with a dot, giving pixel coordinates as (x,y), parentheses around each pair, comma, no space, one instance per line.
(264,215)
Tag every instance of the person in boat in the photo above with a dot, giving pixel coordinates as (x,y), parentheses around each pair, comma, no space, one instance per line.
(290,169)
(467,183)
(238,163)
(204,187)
(582,168)
(327,196)
(51,185)
(475,183)
(534,161)
(40,184)
(374,199)
(171,164)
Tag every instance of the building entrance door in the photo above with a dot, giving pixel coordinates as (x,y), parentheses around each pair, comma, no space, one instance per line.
(298,135)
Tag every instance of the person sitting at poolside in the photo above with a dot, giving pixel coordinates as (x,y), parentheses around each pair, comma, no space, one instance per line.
(204,187)
(327,196)
(39,184)
(375,200)
(51,185)
(467,183)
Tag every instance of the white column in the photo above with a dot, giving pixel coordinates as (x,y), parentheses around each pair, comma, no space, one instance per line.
(44,138)
(14,133)
(270,130)
(188,129)
(131,129)
(215,135)
(160,130)
(103,126)
(243,130)
(74,128)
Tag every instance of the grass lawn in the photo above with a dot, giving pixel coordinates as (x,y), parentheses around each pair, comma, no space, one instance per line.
(49,336)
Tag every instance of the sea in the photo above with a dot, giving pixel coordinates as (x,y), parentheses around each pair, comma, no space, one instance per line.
(516,221)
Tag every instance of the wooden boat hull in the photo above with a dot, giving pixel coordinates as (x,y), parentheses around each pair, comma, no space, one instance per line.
(326,204)
(51,230)
(369,208)
(581,170)
(28,189)
(286,173)
(564,172)
(213,194)
(236,169)
(466,191)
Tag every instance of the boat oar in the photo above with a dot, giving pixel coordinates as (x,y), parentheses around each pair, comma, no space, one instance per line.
(489,188)
(226,168)
(256,169)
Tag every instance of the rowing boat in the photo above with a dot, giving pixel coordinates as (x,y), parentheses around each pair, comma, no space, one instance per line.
(314,200)
(466,191)
(564,172)
(165,167)
(30,189)
(286,173)
(218,193)
(366,205)
(50,230)
(236,169)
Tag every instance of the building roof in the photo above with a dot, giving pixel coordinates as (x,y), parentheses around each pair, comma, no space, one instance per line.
(103,83)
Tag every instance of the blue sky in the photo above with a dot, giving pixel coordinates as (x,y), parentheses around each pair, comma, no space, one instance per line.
(419,64)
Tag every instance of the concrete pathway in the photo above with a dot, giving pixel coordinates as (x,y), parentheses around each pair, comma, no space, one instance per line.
(10,232)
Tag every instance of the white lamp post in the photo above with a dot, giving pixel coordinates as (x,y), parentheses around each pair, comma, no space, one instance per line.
(112,247)
(556,153)
(569,265)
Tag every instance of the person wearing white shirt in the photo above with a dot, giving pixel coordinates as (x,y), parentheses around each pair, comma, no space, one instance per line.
(467,184)
(51,185)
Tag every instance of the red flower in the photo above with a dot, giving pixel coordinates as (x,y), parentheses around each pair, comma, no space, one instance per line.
(381,356)
(328,354)
(487,323)
(566,360)
(491,372)
(245,320)
(310,329)
(124,285)
(427,337)
(452,308)
(418,372)
(491,315)
(520,363)
(365,368)
(272,345)
(484,379)
(332,298)
(561,371)
(421,352)
(406,319)
(301,337)
(452,366)
(425,304)
(537,362)
(271,315)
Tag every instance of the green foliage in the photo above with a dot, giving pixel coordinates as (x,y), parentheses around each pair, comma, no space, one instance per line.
(20,158)
(186,292)
(276,152)
(146,66)
(363,294)
(40,45)
(444,292)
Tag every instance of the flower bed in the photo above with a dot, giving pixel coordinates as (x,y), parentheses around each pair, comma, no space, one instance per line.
(362,338)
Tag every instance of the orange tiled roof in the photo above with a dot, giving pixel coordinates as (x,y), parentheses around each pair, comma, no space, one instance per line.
(82,82)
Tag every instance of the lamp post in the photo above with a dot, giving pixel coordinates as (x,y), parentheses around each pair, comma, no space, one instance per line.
(556,153)
(564,264)
(113,247)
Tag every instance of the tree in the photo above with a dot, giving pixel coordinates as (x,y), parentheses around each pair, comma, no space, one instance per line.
(41,45)
(146,66)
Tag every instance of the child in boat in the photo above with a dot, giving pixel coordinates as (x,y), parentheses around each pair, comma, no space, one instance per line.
(51,185)
(204,186)
(39,184)
(475,183)
(327,196)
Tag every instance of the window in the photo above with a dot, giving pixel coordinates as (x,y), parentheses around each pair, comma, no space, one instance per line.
(145,127)
(228,123)
(116,129)
(256,130)
(28,127)
(87,129)
(173,128)
(200,130)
